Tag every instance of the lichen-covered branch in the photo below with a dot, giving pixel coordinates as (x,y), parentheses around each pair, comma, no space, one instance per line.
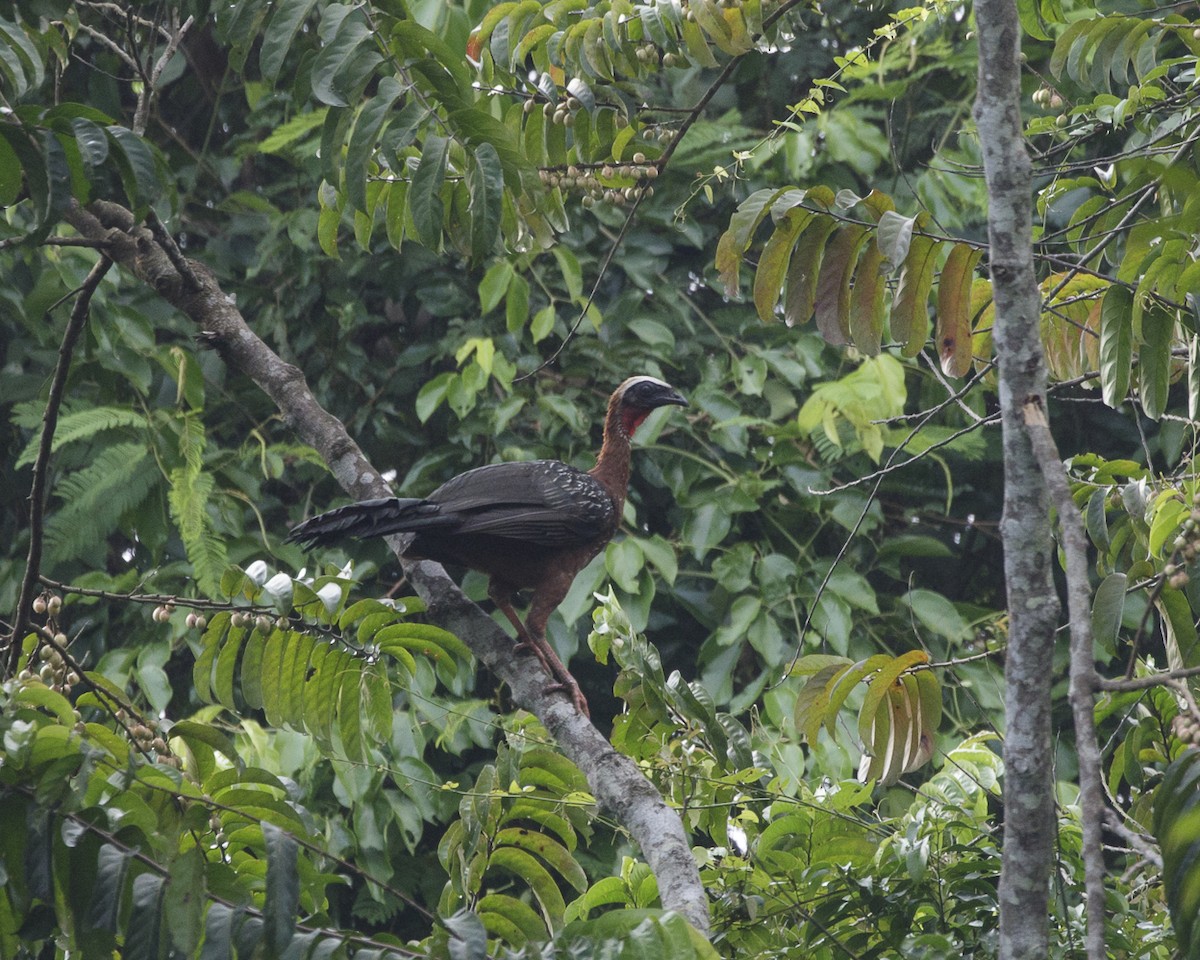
(615,780)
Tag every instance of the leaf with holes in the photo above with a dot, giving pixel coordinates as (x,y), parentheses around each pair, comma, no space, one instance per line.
(953,332)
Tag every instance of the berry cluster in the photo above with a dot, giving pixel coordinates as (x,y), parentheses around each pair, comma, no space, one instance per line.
(55,671)
(1187,546)
(1186,727)
(148,740)
(591,182)
(262,623)
(49,664)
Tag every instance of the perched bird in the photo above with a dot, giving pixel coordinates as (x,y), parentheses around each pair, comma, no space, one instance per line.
(529,525)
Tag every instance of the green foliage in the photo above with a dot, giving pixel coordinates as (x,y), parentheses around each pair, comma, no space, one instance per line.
(1175,829)
(329,782)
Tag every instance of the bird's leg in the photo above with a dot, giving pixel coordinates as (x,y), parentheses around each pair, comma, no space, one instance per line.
(501,595)
(535,628)
(531,636)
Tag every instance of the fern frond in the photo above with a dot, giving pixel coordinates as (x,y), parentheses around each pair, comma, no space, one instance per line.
(188,497)
(192,441)
(95,498)
(81,424)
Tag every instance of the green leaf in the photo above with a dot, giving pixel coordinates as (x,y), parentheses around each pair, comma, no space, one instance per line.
(11,180)
(1177,830)
(937,614)
(1154,360)
(1097,519)
(136,165)
(910,312)
(425,193)
(346,59)
(218,933)
(1107,607)
(279,33)
(734,243)
(485,183)
(542,324)
(184,903)
(548,849)
(282,901)
(773,264)
(143,932)
(111,865)
(894,234)
(364,136)
(537,877)
(494,285)
(1116,344)
(1179,627)
(516,303)
(804,270)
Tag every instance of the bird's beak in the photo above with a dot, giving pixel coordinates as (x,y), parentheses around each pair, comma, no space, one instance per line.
(673,397)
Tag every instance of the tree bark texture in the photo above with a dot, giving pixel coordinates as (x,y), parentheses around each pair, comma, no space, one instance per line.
(615,780)
(1074,542)
(1025,527)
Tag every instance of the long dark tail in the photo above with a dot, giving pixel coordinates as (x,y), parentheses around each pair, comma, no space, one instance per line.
(368,518)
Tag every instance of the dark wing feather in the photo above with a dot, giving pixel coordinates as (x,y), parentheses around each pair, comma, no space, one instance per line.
(545,501)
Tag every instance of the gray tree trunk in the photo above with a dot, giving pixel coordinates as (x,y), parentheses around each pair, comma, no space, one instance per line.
(1028,549)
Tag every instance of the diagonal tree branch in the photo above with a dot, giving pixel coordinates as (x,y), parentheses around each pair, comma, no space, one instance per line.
(615,780)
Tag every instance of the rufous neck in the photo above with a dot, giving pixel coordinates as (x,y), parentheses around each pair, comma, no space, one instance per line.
(612,465)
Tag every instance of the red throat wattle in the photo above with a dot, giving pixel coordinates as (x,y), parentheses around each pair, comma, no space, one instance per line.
(631,419)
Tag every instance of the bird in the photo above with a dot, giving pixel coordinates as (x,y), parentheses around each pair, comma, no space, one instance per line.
(528,525)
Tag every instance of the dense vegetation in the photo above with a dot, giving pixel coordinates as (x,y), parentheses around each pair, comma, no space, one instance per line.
(465,223)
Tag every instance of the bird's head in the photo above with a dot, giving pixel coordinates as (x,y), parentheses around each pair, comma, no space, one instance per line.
(634,400)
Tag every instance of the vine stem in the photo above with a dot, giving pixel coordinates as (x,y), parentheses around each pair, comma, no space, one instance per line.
(37,490)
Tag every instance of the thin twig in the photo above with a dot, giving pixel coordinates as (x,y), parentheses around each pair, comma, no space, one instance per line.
(892,467)
(1163,679)
(142,114)
(37,487)
(1130,214)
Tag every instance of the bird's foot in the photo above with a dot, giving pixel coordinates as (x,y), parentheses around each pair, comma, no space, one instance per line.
(563,681)
(528,646)
(573,693)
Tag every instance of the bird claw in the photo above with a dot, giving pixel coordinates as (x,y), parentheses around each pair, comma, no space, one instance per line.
(574,694)
(563,681)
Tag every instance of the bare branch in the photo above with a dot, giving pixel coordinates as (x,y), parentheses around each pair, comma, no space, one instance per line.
(174,38)
(1164,679)
(37,492)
